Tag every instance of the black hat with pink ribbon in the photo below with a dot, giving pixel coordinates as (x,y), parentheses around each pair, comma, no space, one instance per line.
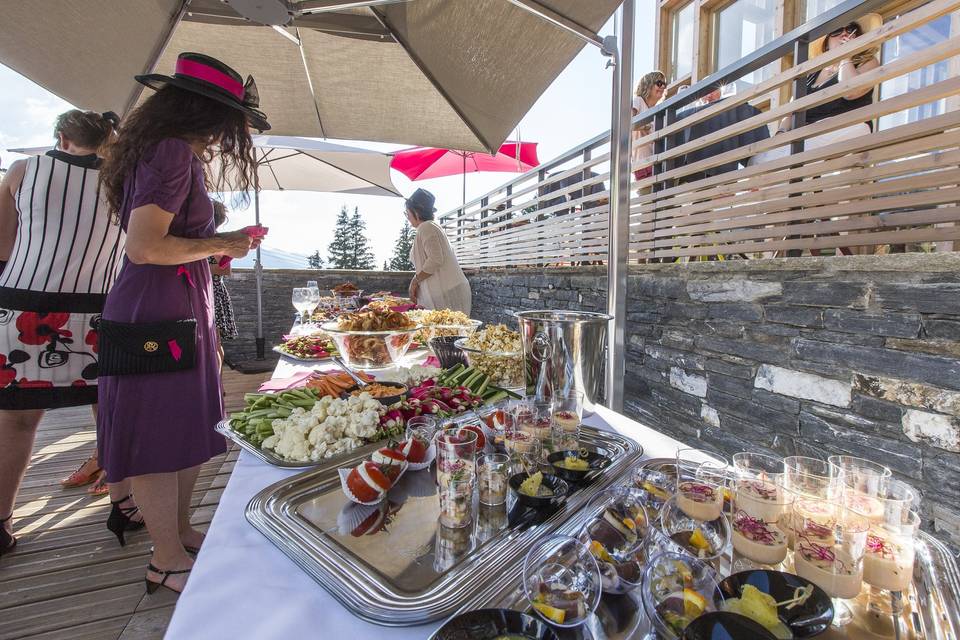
(211,78)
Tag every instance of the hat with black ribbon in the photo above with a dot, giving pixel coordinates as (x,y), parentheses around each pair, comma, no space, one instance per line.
(211,78)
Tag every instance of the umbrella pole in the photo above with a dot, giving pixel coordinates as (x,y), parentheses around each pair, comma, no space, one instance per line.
(463,211)
(258,271)
(619,215)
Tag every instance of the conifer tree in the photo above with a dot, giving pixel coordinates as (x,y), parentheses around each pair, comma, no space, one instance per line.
(400,261)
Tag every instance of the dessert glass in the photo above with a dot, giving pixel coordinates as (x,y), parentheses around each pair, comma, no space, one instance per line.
(705,540)
(760,524)
(810,477)
(561,580)
(427,426)
(669,581)
(831,541)
(493,474)
(524,450)
(456,451)
(567,412)
(536,418)
(862,475)
(456,502)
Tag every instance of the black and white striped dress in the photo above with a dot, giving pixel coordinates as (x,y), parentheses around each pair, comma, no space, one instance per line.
(65,258)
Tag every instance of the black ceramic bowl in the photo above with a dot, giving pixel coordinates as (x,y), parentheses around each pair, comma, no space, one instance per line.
(811,618)
(447,353)
(595,460)
(386,400)
(487,624)
(722,625)
(558,486)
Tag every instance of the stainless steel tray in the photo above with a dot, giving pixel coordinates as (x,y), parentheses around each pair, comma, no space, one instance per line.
(931,608)
(286,355)
(414,571)
(223,427)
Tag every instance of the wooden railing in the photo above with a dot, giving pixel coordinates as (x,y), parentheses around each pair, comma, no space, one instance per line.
(890,188)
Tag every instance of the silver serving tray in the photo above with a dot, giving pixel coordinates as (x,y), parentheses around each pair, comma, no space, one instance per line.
(283,353)
(414,571)
(931,608)
(223,427)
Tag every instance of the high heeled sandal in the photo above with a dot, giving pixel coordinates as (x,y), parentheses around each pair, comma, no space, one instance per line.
(121,519)
(153,586)
(80,477)
(7,540)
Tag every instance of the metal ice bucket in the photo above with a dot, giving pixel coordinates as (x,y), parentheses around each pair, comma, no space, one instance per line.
(564,351)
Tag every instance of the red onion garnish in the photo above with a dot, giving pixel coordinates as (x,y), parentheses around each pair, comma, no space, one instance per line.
(812,550)
(818,530)
(700,492)
(753,528)
(877,545)
(763,490)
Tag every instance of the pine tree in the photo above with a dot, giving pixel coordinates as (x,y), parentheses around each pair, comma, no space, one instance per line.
(362,255)
(400,260)
(314,261)
(340,250)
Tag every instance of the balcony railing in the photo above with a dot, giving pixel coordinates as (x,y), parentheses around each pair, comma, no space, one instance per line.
(893,187)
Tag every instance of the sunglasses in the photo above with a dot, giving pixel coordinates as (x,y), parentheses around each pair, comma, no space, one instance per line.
(853,28)
(660,83)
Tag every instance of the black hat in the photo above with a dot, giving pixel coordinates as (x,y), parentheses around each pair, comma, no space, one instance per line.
(211,78)
(422,201)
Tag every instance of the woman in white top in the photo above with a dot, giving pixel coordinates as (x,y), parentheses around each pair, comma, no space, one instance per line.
(649,92)
(439,282)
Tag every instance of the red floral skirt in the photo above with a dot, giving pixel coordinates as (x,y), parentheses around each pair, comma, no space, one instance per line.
(47,360)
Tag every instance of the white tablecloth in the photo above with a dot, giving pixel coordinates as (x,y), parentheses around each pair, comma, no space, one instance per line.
(242,587)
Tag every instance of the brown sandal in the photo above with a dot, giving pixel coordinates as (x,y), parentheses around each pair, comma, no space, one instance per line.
(86,474)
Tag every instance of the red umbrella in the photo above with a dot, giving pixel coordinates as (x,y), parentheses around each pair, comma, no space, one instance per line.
(423,163)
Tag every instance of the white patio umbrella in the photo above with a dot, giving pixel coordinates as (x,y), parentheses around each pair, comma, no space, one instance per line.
(286,163)
(455,74)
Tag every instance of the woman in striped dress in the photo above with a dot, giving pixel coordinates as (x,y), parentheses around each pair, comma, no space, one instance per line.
(63,254)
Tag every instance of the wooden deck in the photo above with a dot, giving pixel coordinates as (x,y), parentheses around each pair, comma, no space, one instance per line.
(68,577)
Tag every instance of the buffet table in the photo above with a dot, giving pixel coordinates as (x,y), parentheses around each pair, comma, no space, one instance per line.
(243,586)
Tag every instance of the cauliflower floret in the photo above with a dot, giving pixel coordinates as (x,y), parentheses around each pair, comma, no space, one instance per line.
(293,446)
(319,452)
(270,442)
(364,424)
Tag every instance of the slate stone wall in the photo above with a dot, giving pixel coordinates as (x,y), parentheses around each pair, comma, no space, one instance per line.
(278,311)
(810,356)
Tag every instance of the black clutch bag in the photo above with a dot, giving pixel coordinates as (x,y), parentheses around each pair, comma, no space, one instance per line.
(146,347)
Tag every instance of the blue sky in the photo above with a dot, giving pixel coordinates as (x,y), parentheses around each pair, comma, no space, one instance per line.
(574,108)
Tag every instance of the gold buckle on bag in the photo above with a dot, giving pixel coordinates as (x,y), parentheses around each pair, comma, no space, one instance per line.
(150,346)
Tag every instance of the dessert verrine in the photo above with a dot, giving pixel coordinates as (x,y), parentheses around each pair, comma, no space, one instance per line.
(888,561)
(831,568)
(761,499)
(700,500)
(757,539)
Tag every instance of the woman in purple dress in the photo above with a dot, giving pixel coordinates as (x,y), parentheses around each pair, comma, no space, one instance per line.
(158,428)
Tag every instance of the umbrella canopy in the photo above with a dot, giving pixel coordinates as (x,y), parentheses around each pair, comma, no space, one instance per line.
(286,163)
(423,163)
(446,73)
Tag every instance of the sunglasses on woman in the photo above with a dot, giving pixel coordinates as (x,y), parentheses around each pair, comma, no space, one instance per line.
(660,83)
(853,28)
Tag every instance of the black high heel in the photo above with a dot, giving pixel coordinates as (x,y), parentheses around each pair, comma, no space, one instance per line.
(153,586)
(7,541)
(120,520)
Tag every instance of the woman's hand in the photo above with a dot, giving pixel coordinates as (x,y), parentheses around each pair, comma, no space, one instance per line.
(237,244)
(413,289)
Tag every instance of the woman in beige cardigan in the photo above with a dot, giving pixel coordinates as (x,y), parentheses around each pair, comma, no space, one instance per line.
(439,282)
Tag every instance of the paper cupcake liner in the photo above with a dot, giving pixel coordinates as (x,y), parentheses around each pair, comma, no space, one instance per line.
(431,456)
(344,473)
(352,515)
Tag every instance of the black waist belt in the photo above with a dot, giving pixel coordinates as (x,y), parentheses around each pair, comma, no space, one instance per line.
(44,302)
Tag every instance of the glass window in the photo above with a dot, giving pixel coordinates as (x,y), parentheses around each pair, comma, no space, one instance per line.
(681,52)
(813,8)
(741,28)
(907,44)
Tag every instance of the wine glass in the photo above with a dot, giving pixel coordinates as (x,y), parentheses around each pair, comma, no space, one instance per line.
(302,302)
(314,296)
